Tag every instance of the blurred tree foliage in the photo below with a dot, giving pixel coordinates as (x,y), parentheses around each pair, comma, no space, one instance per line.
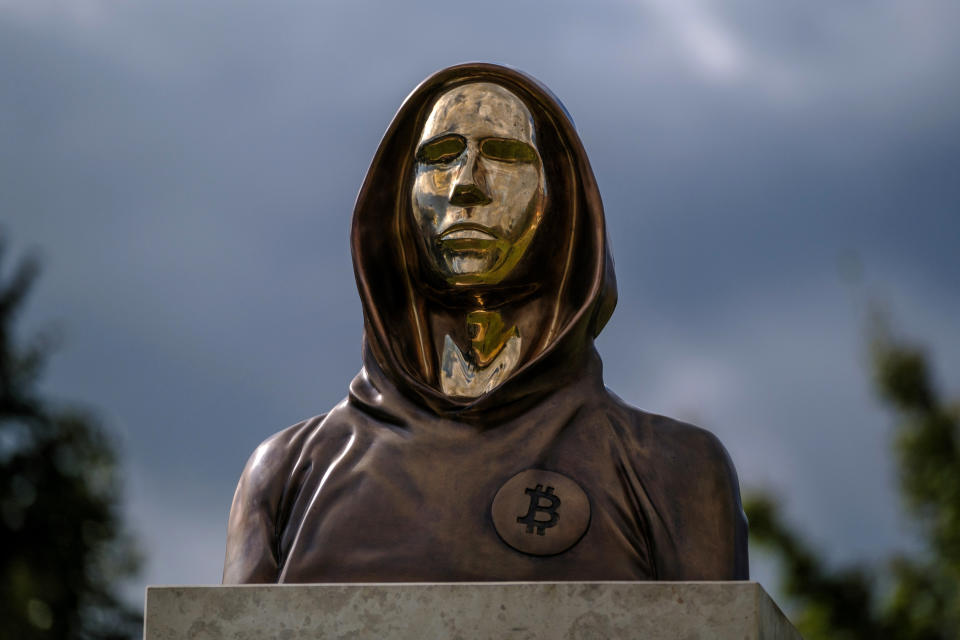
(62,541)
(910,597)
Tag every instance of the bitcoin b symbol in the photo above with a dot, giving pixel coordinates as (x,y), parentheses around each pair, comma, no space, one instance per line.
(525,493)
(536,495)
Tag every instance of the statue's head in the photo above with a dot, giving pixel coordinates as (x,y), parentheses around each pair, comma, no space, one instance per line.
(480,220)
(478,189)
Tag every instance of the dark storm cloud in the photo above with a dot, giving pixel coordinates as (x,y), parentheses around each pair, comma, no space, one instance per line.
(189,171)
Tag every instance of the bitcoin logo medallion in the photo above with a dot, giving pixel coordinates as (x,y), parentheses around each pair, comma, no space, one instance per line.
(540,512)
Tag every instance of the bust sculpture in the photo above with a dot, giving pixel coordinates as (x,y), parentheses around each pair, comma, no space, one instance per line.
(478,441)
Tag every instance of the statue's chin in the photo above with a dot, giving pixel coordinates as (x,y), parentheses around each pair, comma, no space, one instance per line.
(468,264)
(470,267)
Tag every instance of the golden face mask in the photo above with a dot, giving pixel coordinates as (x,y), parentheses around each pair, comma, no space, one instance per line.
(478,190)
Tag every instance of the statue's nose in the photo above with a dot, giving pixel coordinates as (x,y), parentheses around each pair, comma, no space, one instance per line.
(468,188)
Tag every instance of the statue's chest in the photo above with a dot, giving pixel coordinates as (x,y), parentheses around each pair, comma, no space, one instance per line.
(399,514)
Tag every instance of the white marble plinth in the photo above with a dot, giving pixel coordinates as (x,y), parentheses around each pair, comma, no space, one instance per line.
(495,610)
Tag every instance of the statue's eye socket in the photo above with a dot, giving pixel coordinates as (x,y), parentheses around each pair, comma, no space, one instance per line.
(506,150)
(440,150)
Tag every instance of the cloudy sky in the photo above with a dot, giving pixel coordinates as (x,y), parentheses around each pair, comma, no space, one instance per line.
(187,172)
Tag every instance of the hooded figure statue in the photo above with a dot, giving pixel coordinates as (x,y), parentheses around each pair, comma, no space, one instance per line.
(478,441)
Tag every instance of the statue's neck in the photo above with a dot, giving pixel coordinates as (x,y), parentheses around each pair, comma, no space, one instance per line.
(479,354)
(488,335)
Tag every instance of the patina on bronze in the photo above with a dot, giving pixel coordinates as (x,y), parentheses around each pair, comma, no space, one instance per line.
(478,441)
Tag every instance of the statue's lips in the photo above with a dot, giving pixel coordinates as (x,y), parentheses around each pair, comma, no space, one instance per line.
(467,237)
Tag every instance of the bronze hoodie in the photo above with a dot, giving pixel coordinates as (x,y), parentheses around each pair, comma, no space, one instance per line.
(396,482)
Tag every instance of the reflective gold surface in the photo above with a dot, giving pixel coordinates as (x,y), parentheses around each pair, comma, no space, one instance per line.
(478,190)
(494,353)
(488,334)
(460,377)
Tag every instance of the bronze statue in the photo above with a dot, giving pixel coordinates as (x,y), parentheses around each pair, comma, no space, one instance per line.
(478,441)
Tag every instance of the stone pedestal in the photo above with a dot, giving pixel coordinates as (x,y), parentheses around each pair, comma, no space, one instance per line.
(495,610)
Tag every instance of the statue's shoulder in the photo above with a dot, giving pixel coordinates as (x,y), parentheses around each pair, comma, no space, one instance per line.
(285,444)
(256,509)
(273,458)
(680,442)
(283,451)
(280,460)
(692,483)
(680,456)
(673,441)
